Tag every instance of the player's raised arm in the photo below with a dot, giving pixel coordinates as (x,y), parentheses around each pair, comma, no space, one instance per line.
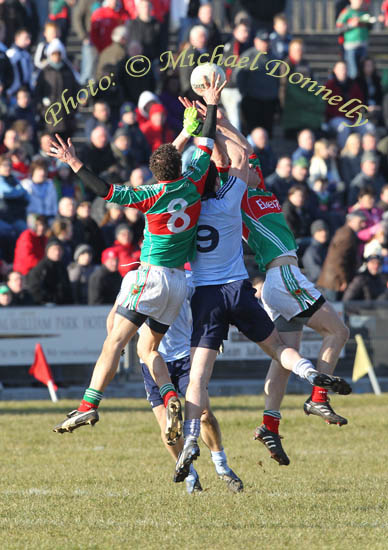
(142,198)
(220,156)
(239,161)
(181,141)
(66,153)
(226,127)
(183,137)
(211,95)
(256,178)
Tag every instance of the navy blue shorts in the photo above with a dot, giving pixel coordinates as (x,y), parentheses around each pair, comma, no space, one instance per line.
(215,307)
(180,375)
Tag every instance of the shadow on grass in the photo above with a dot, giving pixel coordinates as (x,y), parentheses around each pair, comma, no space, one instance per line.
(143,407)
(247,408)
(65,410)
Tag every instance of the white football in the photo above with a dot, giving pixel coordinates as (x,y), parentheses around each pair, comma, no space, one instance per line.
(206,70)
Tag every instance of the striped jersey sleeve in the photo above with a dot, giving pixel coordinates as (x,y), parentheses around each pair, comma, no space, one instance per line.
(142,197)
(199,165)
(229,196)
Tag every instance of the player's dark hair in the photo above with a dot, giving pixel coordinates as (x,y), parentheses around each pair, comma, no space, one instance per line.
(166,163)
(211,181)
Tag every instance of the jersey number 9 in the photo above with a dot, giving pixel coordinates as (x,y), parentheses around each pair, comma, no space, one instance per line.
(209,235)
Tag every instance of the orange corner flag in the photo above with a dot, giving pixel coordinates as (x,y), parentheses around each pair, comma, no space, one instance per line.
(40,368)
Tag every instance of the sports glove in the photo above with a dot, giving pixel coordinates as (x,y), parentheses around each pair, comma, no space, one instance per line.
(191,123)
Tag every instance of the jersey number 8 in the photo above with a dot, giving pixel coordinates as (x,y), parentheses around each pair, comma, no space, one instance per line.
(179,220)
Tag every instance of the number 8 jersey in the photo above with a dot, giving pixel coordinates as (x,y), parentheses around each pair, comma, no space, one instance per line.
(171,210)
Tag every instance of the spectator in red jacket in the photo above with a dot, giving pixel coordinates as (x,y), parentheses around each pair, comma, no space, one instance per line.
(384,15)
(155,130)
(146,100)
(103,21)
(30,246)
(160,9)
(128,252)
(342,85)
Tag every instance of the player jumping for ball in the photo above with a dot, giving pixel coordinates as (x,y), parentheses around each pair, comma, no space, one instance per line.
(224,296)
(175,350)
(154,293)
(289,298)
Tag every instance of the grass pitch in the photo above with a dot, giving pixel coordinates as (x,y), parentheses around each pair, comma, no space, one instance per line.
(111,487)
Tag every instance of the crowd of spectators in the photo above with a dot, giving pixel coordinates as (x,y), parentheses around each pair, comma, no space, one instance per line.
(60,244)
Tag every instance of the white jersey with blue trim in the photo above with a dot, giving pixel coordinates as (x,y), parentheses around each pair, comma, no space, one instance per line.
(219,258)
(176,342)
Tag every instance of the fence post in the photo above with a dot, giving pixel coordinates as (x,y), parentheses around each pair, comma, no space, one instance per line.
(296,13)
(308,15)
(319,15)
(330,15)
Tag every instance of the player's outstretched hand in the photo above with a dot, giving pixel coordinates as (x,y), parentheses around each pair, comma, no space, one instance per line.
(64,152)
(188,104)
(61,151)
(192,122)
(212,91)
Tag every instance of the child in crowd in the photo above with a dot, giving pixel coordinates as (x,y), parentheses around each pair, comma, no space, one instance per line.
(354,23)
(62,231)
(280,37)
(50,31)
(156,130)
(25,134)
(139,145)
(5,296)
(42,195)
(20,164)
(80,271)
(21,61)
(23,109)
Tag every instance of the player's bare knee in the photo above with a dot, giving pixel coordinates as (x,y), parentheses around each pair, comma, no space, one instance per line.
(339,332)
(207,417)
(114,341)
(141,353)
(197,385)
(343,334)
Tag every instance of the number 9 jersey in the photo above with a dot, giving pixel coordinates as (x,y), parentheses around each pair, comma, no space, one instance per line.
(171,210)
(219,258)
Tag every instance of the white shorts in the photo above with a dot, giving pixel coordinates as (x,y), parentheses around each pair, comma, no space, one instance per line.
(155,291)
(287,293)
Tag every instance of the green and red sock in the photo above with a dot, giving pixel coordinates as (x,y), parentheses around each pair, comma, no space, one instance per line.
(271,420)
(166,392)
(319,395)
(91,400)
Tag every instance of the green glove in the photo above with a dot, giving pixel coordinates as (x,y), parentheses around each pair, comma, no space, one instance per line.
(191,123)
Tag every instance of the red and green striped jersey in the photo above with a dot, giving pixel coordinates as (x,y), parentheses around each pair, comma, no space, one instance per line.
(171,210)
(265,229)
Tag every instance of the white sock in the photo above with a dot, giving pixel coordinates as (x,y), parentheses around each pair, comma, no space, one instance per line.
(305,369)
(191,429)
(220,462)
(193,473)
